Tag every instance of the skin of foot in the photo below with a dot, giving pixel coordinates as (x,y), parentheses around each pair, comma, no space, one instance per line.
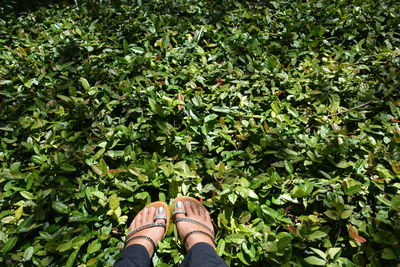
(198,213)
(146,216)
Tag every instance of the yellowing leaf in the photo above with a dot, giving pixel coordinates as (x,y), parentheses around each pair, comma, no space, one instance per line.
(91,262)
(113,202)
(8,219)
(22,51)
(93,247)
(18,213)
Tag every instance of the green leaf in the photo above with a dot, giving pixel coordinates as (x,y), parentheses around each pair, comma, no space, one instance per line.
(27,195)
(78,241)
(242,259)
(315,261)
(39,159)
(343,164)
(317,235)
(232,198)
(288,166)
(60,207)
(197,101)
(319,252)
(276,107)
(67,167)
(125,45)
(9,245)
(388,254)
(332,252)
(85,84)
(18,213)
(3,82)
(346,214)
(332,214)
(385,237)
(154,106)
(210,117)
(64,246)
(235,238)
(272,112)
(395,203)
(28,254)
(303,190)
(138,50)
(221,247)
(93,247)
(221,109)
(71,258)
(113,202)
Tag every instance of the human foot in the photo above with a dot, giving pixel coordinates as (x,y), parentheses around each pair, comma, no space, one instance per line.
(193,222)
(149,226)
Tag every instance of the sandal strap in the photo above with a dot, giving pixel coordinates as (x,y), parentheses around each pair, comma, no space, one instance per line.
(160,217)
(195,222)
(177,211)
(143,237)
(198,232)
(150,225)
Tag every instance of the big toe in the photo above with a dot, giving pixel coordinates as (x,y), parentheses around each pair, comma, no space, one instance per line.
(160,215)
(179,210)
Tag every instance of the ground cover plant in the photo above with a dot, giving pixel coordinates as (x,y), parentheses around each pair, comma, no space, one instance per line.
(282,116)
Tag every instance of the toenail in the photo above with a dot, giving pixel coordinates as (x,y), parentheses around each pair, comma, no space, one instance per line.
(179,205)
(151,208)
(160,210)
(187,202)
(145,209)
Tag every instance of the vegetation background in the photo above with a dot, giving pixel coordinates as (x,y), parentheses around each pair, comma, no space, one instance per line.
(282,116)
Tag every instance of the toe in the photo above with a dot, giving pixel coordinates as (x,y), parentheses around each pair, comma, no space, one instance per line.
(132,225)
(138,220)
(144,219)
(152,213)
(195,208)
(189,210)
(202,212)
(207,216)
(179,206)
(161,212)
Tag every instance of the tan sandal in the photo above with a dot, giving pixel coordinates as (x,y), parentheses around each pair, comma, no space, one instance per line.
(165,225)
(210,233)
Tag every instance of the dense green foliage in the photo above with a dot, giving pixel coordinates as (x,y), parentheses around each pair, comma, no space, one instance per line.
(283,116)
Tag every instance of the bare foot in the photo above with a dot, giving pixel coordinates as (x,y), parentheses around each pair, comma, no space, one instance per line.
(195,211)
(145,217)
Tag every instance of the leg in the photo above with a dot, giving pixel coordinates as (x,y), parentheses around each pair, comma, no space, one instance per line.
(202,255)
(134,256)
(196,231)
(146,230)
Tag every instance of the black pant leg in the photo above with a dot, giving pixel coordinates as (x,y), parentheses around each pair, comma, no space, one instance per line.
(134,256)
(202,255)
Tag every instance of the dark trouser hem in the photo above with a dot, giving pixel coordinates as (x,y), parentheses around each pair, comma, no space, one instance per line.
(199,255)
(134,256)
(202,255)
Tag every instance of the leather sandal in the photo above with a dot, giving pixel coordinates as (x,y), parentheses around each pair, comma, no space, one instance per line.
(165,225)
(210,232)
